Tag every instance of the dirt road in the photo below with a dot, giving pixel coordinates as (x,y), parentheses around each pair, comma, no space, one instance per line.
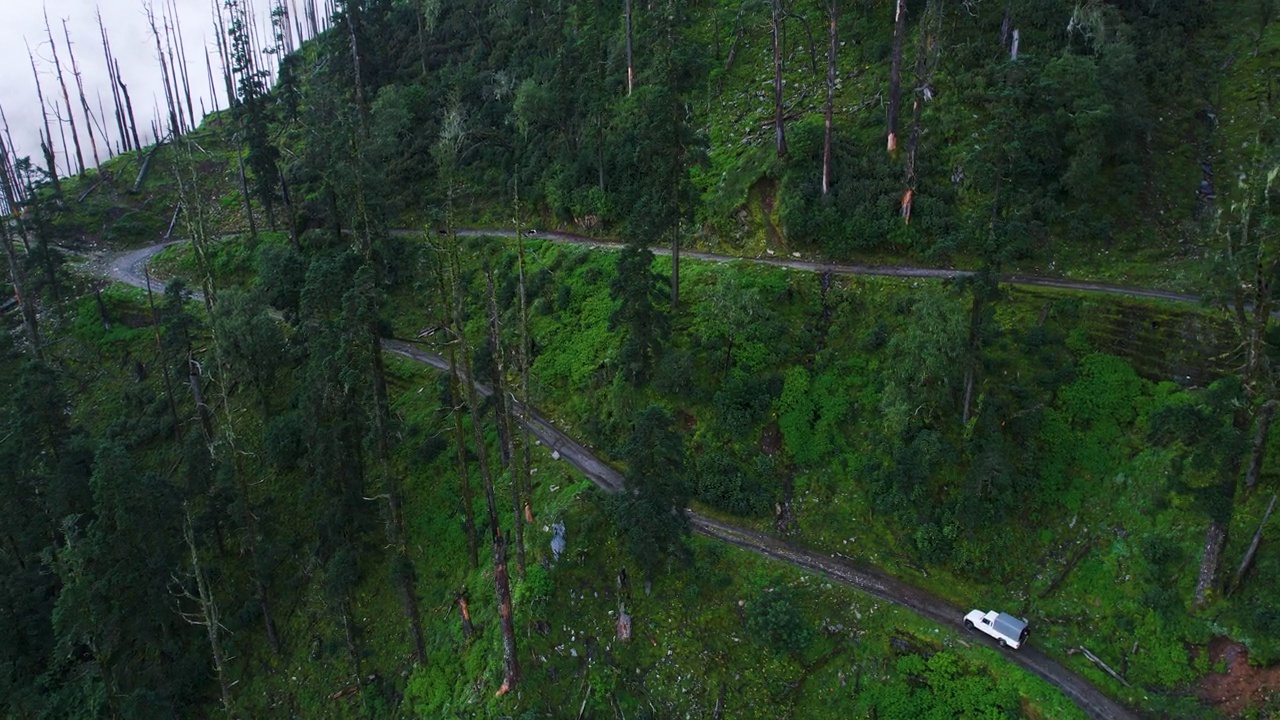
(128,268)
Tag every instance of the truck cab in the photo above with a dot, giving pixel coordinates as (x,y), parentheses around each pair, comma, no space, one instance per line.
(1011,632)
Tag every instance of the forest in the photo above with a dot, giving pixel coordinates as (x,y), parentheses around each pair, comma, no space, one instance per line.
(567,359)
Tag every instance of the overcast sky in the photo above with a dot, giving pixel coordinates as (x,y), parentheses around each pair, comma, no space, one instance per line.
(132,45)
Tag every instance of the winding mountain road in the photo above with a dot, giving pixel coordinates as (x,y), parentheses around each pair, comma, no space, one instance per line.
(835,268)
(129,267)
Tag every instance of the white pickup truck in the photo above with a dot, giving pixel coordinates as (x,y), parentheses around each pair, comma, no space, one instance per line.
(1009,630)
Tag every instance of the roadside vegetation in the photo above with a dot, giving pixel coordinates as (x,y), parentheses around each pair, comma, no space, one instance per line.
(224,497)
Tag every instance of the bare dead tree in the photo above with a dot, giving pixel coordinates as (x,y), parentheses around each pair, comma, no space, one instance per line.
(128,103)
(175,126)
(46,143)
(182,61)
(122,126)
(1253,549)
(66,97)
(207,614)
(84,103)
(224,55)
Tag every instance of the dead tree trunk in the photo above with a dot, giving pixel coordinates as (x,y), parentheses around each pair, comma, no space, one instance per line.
(1253,549)
(776,16)
(25,303)
(631,68)
(506,421)
(208,616)
(917,110)
(833,8)
(526,472)
(84,102)
(460,442)
(1260,437)
(404,575)
(122,126)
(66,97)
(895,72)
(175,127)
(502,585)
(133,122)
(1215,539)
(182,62)
(50,158)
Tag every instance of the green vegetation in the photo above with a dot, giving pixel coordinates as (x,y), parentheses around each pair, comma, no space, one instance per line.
(230,498)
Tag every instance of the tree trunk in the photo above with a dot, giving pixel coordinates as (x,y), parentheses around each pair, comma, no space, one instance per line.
(631,68)
(66,97)
(923,49)
(779,131)
(511,663)
(25,302)
(50,158)
(506,423)
(244,190)
(833,7)
(84,102)
(122,126)
(1215,539)
(175,127)
(133,122)
(353,19)
(502,585)
(404,576)
(1259,443)
(459,441)
(895,71)
(1253,549)
(209,615)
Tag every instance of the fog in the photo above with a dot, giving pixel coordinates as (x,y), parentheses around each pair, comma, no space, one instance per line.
(133,46)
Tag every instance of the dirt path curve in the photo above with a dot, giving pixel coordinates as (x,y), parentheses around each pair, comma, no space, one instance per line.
(843,570)
(128,268)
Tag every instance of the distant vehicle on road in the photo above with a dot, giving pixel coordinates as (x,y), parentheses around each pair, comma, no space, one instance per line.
(1010,631)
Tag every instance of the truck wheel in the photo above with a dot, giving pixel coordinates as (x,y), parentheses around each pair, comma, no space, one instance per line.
(968,625)
(1003,644)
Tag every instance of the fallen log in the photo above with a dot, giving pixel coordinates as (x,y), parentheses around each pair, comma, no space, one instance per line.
(1098,661)
(142,171)
(1076,557)
(1253,549)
